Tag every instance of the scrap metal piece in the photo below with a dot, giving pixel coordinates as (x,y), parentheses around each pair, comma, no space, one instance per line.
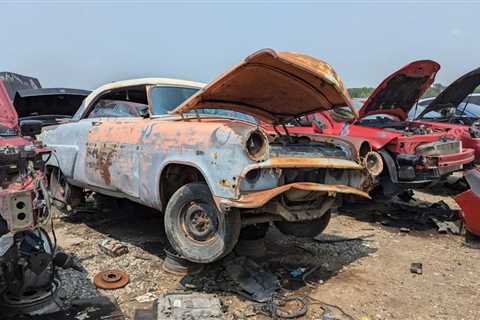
(112,247)
(187,306)
(111,279)
(255,282)
(177,265)
(33,302)
(446,226)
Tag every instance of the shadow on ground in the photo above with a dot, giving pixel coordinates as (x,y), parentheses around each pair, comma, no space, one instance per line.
(287,257)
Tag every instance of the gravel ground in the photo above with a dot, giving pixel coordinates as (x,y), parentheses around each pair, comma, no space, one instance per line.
(367,279)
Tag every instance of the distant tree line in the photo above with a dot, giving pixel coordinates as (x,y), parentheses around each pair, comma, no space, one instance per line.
(433,91)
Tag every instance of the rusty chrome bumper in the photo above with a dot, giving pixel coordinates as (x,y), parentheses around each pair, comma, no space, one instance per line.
(258,199)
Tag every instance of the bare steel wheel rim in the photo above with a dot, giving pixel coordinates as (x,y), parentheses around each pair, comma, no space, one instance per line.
(198,221)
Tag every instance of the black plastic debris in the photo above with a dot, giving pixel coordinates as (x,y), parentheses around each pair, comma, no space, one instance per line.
(416,267)
(255,283)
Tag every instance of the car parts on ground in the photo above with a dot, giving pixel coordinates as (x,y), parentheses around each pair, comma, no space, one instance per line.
(111,279)
(198,156)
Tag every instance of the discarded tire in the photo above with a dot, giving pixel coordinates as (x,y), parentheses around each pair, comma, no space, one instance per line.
(304,229)
(196,229)
(177,265)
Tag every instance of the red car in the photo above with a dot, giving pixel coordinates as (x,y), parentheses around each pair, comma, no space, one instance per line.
(26,250)
(456,109)
(413,155)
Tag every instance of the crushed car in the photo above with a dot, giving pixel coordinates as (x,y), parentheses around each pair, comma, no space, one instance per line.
(211,174)
(414,155)
(455,109)
(26,252)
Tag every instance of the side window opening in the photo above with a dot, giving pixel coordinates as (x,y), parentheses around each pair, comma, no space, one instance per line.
(121,103)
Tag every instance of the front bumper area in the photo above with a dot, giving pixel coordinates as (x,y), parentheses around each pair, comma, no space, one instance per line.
(449,163)
(419,170)
(260,198)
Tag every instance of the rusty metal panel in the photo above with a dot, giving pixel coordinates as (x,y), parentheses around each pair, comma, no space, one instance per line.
(273,86)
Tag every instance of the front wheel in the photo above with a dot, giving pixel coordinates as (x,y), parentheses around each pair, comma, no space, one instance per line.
(304,229)
(196,229)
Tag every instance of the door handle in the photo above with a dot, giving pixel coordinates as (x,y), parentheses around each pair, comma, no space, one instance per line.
(96,123)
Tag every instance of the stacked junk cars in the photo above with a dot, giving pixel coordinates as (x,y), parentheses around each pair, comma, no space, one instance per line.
(274,140)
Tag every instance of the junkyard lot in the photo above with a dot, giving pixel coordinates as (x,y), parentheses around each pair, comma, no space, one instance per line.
(365,278)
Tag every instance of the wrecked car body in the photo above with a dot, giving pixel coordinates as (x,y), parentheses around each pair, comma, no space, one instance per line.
(26,252)
(456,110)
(413,154)
(212,174)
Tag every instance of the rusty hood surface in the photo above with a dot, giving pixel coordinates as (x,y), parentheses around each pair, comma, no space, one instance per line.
(273,86)
(400,91)
(8,115)
(455,93)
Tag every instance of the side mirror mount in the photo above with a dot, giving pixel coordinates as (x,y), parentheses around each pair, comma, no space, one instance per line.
(144,113)
(31,128)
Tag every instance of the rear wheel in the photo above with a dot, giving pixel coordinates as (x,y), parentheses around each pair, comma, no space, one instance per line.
(304,229)
(196,229)
(63,194)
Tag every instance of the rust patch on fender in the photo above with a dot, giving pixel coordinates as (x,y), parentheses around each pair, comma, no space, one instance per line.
(100,158)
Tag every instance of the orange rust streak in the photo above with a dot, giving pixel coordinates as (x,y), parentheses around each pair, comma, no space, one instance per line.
(260,198)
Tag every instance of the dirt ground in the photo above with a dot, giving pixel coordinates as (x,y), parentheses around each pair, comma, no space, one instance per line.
(367,279)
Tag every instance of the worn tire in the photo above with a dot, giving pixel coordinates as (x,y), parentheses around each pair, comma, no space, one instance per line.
(304,229)
(196,229)
(63,191)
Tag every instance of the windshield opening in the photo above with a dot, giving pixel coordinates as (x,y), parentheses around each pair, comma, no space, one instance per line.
(165,99)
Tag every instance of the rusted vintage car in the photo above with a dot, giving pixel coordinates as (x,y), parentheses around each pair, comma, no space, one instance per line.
(26,252)
(176,147)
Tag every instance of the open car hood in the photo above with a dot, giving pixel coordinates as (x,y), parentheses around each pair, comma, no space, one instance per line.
(455,93)
(8,115)
(274,87)
(399,92)
(48,101)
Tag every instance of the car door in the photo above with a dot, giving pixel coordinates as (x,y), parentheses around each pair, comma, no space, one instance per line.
(112,148)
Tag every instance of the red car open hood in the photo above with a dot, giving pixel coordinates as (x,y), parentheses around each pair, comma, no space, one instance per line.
(455,93)
(398,93)
(8,115)
(273,86)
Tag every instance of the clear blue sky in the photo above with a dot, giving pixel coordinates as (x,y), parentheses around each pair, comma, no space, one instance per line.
(86,45)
